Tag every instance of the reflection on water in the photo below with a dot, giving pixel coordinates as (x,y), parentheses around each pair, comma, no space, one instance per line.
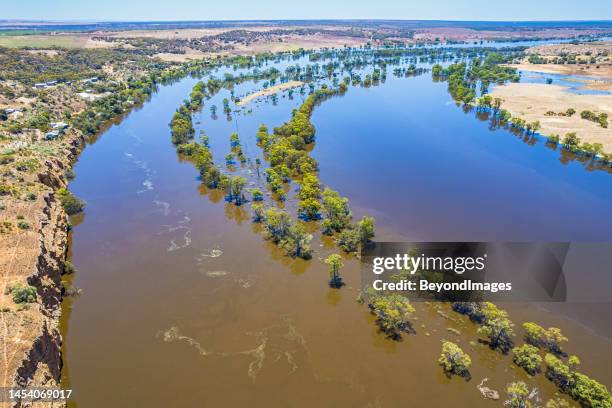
(184,304)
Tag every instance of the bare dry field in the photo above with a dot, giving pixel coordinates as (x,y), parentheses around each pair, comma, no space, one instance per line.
(467,34)
(269,91)
(294,42)
(575,49)
(188,33)
(532,101)
(604,70)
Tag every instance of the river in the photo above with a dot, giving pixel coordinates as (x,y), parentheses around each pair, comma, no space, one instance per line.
(184,304)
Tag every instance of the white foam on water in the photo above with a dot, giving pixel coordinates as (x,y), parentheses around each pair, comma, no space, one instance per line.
(216,274)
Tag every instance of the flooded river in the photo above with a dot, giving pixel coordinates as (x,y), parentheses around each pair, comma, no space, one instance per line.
(184,304)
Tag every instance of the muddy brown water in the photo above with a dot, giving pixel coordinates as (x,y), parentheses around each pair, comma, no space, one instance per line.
(184,304)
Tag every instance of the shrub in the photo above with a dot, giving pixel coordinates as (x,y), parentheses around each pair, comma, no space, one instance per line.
(21,293)
(72,205)
(23,225)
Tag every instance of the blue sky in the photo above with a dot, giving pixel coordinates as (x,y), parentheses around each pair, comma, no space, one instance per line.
(310,9)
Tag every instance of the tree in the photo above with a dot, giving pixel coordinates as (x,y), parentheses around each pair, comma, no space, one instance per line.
(277,223)
(590,393)
(309,209)
(540,337)
(234,140)
(235,190)
(437,70)
(337,212)
(518,395)
(527,357)
(296,241)
(558,372)
(259,212)
(349,239)
(366,229)
(454,360)
(392,313)
(497,327)
(485,102)
(571,141)
(256,194)
(499,331)
(334,263)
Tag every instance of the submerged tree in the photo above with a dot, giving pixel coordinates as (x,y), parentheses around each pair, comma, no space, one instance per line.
(527,357)
(518,395)
(392,313)
(549,339)
(454,360)
(334,263)
(497,327)
(337,212)
(235,190)
(259,212)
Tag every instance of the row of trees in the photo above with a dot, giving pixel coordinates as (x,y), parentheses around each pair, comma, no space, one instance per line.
(463,78)
(494,323)
(286,152)
(392,310)
(600,118)
(570,142)
(181,126)
(499,330)
(283,230)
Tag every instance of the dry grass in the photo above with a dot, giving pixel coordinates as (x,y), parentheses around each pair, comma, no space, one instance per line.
(44,41)
(574,49)
(532,101)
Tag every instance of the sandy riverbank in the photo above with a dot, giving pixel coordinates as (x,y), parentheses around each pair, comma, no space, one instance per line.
(532,101)
(600,75)
(269,91)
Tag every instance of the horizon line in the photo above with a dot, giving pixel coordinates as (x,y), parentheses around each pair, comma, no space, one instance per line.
(88,20)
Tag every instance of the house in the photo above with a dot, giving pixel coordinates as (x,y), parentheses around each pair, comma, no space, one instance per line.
(52,135)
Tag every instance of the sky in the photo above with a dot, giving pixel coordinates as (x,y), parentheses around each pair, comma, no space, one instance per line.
(142,10)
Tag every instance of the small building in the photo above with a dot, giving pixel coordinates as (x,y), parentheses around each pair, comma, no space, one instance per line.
(59,125)
(89,96)
(52,135)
